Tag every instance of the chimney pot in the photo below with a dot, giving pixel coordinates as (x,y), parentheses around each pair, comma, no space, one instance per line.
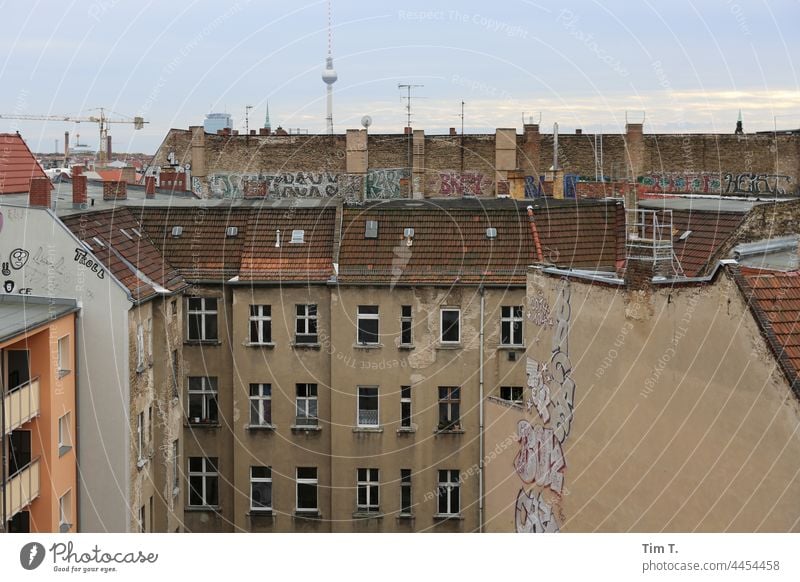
(40,192)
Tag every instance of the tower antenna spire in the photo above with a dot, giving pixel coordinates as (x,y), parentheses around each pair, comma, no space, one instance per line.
(329,75)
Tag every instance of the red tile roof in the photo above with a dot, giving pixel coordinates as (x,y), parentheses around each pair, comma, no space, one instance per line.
(131,258)
(17,165)
(774,297)
(710,230)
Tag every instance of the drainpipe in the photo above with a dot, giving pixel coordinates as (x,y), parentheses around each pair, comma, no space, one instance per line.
(76,409)
(480,415)
(3,438)
(535,233)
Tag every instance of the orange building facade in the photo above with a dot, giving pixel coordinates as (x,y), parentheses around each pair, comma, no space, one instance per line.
(37,420)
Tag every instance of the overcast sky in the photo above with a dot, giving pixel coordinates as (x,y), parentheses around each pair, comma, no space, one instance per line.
(684,65)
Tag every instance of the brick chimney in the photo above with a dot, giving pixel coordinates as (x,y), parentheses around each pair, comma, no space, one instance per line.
(529,159)
(150,187)
(114,190)
(639,274)
(79,196)
(40,192)
(634,146)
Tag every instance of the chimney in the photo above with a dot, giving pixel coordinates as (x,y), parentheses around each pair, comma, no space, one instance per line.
(578,132)
(529,162)
(40,192)
(115,190)
(79,197)
(66,147)
(634,146)
(108,148)
(407,131)
(639,274)
(453,131)
(150,187)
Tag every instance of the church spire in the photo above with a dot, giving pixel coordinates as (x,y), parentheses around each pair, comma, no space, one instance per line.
(739,129)
(266,119)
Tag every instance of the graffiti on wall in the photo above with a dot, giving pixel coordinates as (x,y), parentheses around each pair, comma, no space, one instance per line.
(714,183)
(450,183)
(540,462)
(385,183)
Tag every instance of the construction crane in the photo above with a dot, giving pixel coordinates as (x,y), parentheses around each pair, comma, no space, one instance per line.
(102,120)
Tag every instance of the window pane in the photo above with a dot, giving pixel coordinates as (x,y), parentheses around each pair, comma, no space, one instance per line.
(312,310)
(306,496)
(212,408)
(442,493)
(406,311)
(261,495)
(455,501)
(261,472)
(195,303)
(194,327)
(195,491)
(306,472)
(254,412)
(505,333)
(195,464)
(195,407)
(368,309)
(368,331)
(405,391)
(450,327)
(211,327)
(362,495)
(253,331)
(212,493)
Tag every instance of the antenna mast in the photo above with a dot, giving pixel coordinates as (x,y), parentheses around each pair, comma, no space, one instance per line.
(329,75)
(408,89)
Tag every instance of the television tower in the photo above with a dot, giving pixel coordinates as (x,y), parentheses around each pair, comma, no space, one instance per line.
(329,75)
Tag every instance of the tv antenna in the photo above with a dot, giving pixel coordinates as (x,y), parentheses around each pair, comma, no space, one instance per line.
(407,97)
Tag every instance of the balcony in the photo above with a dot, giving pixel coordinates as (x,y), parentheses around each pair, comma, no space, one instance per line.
(21,488)
(21,404)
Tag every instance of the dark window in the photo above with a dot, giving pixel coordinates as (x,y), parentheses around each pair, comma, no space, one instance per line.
(203,481)
(368,323)
(405,325)
(306,404)
(449,407)
(306,324)
(451,328)
(511,393)
(202,400)
(260,488)
(405,492)
(307,489)
(202,318)
(368,490)
(405,406)
(368,406)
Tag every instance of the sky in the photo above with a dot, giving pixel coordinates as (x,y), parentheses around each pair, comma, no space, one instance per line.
(678,65)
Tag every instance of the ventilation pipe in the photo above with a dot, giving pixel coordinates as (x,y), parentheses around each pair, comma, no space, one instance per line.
(278,238)
(535,233)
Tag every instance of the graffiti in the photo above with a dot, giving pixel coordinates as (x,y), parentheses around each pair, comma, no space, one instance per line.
(539,383)
(40,258)
(385,183)
(286,185)
(539,311)
(94,266)
(454,184)
(6,271)
(8,286)
(533,515)
(699,183)
(197,187)
(25,291)
(18,258)
(534,188)
(563,386)
(540,459)
(748,183)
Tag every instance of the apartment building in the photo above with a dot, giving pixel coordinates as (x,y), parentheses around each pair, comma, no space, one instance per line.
(38,473)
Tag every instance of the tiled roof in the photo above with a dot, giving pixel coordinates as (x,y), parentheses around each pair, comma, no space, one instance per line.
(774,297)
(17,165)
(710,230)
(202,251)
(131,258)
(310,260)
(450,242)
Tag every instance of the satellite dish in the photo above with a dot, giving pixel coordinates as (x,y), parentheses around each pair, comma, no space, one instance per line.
(366,121)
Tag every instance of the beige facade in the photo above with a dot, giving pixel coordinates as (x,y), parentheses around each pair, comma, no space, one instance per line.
(682,419)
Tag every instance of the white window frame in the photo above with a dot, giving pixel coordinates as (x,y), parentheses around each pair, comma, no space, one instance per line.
(441,325)
(507,393)
(63,355)
(511,320)
(406,321)
(204,474)
(254,480)
(203,312)
(447,485)
(368,317)
(148,333)
(259,400)
(260,319)
(303,320)
(359,422)
(450,422)
(207,393)
(406,488)
(140,436)
(307,399)
(406,401)
(368,480)
(306,481)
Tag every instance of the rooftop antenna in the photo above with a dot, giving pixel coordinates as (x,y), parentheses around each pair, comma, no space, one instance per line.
(463,192)
(407,97)
(247,109)
(329,75)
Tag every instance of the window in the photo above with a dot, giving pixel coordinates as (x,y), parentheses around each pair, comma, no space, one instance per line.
(260,488)
(307,489)
(65,512)
(176,474)
(405,492)
(368,406)
(139,346)
(64,363)
(511,325)
(511,393)
(140,436)
(449,492)
(203,482)
(202,400)
(368,489)
(150,425)
(202,318)
(306,404)
(368,322)
(260,404)
(152,519)
(64,438)
(450,326)
(306,324)
(142,520)
(174,373)
(449,407)
(405,325)
(405,406)
(173,308)
(260,324)
(148,333)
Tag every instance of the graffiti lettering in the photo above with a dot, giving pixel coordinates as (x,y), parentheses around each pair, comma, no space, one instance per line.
(385,183)
(81,257)
(540,459)
(749,183)
(25,291)
(539,310)
(18,258)
(454,184)
(713,183)
(533,515)
(5,270)
(539,383)
(40,258)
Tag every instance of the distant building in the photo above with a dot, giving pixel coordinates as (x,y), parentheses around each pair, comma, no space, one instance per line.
(216,121)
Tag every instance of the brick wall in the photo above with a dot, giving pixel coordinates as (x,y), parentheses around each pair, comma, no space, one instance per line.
(115,190)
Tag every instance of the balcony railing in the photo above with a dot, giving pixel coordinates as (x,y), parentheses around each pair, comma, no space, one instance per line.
(21,488)
(21,404)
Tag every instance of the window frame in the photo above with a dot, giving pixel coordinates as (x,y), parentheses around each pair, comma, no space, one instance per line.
(176,475)
(369,483)
(307,419)
(208,393)
(450,402)
(309,320)
(362,334)
(514,320)
(140,346)
(510,391)
(406,420)
(442,339)
(359,422)
(263,480)
(63,353)
(257,322)
(406,509)
(174,365)
(306,481)
(260,399)
(64,433)
(406,325)
(65,511)
(203,312)
(205,475)
(446,485)
(140,437)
